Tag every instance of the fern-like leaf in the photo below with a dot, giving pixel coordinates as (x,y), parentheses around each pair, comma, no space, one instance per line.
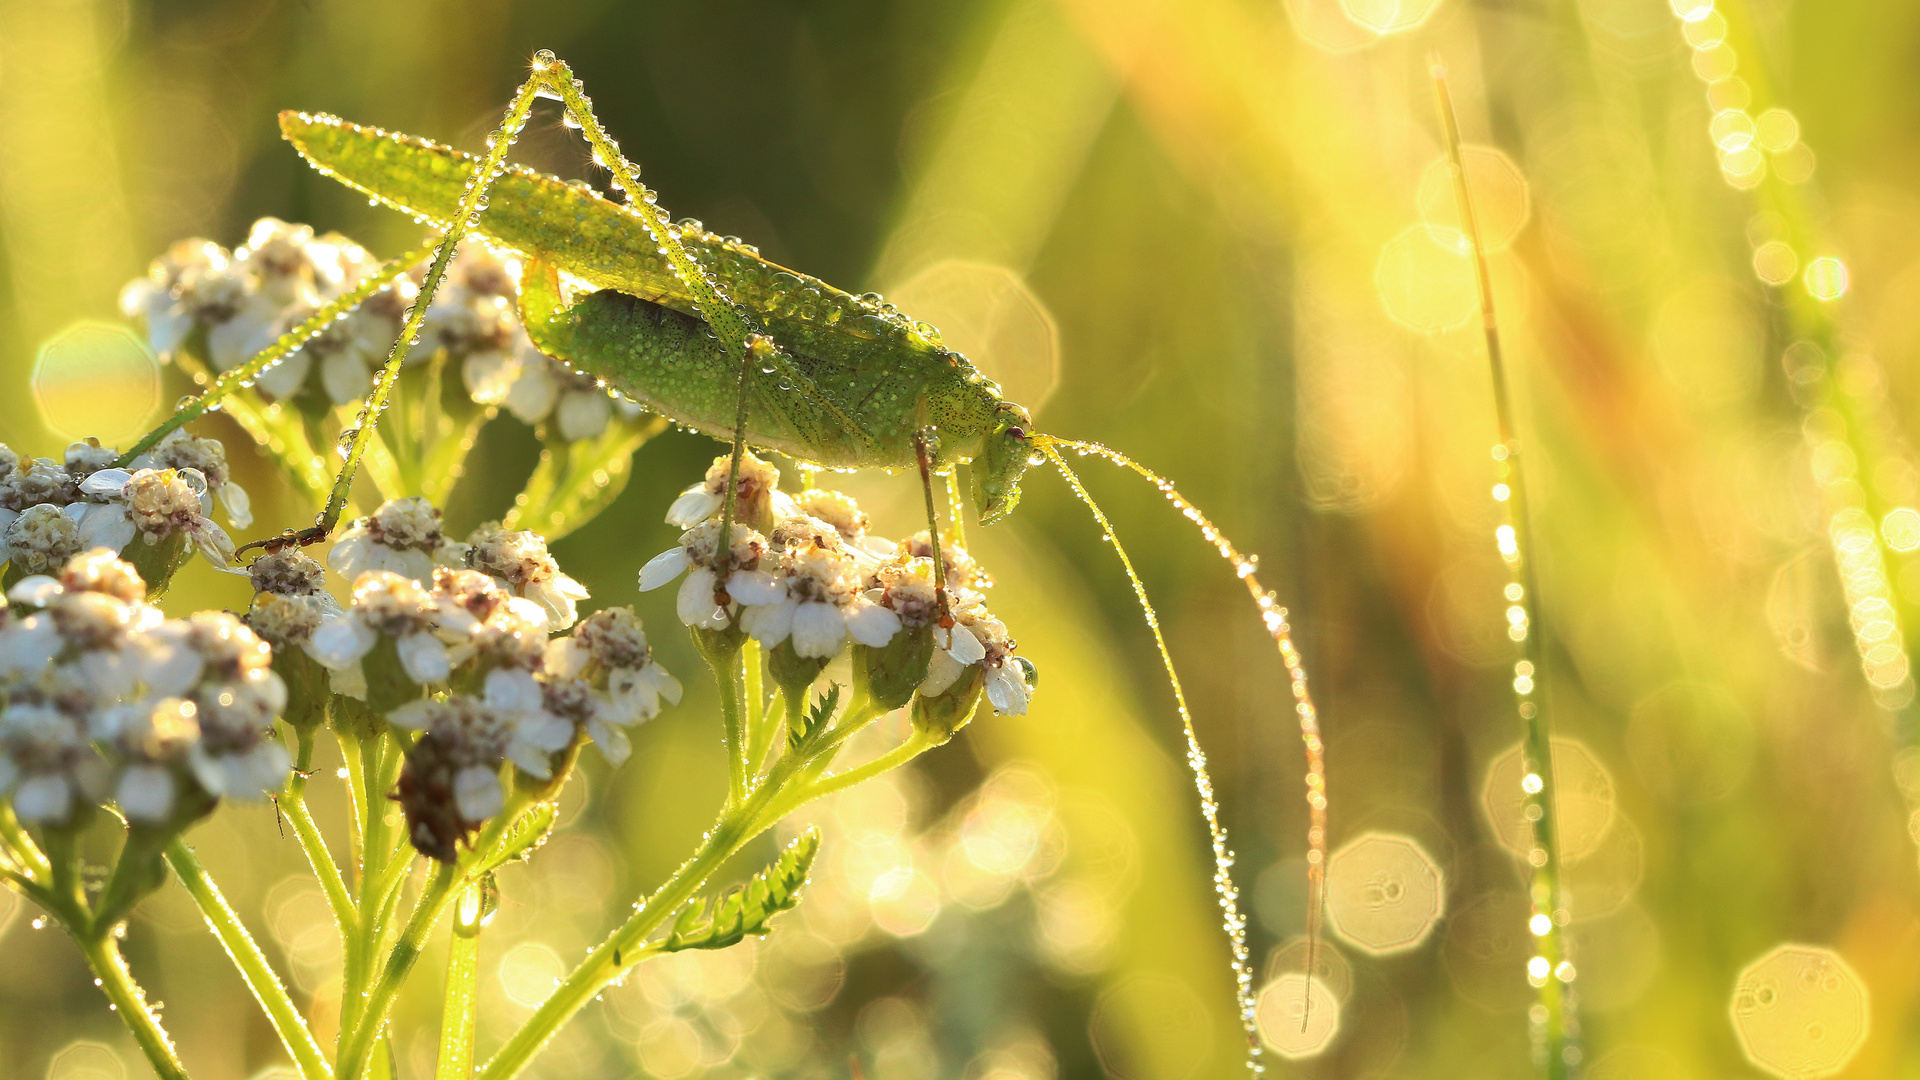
(817,717)
(745,909)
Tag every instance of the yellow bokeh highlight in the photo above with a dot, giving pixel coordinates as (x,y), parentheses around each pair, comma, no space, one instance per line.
(1901,527)
(1389,16)
(1775,263)
(1777,129)
(1298,1017)
(1800,1012)
(1583,799)
(96,380)
(1501,200)
(1384,893)
(86,1061)
(1324,25)
(1692,11)
(1425,280)
(1827,278)
(529,972)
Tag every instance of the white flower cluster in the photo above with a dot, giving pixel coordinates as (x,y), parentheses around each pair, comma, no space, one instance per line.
(244,300)
(51,511)
(403,537)
(105,698)
(820,577)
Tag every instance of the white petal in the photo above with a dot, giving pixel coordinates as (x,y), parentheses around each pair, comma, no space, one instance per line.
(105,482)
(349,554)
(268,768)
(664,682)
(752,587)
(208,771)
(566,658)
(942,672)
(513,691)
(423,657)
(663,568)
(414,715)
(1007,690)
(349,681)
(43,798)
(340,642)
(169,667)
(583,414)
(477,793)
(964,646)
(612,742)
(109,675)
(543,731)
(212,541)
(284,378)
(38,590)
(694,506)
(556,601)
(345,376)
(75,511)
(695,602)
(531,396)
(489,376)
(145,793)
(530,759)
(107,525)
(872,625)
(239,507)
(818,630)
(769,623)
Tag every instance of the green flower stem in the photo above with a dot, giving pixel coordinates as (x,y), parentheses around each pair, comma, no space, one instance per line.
(799,795)
(380,762)
(21,848)
(463,973)
(759,717)
(110,968)
(373,1014)
(294,804)
(246,955)
(356,1042)
(356,798)
(729,672)
(624,946)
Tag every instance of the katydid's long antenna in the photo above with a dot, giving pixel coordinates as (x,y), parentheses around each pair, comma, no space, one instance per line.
(1223,887)
(1555,1026)
(1274,618)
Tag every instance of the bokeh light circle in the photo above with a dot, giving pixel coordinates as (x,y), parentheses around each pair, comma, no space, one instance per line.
(1384,893)
(1583,798)
(990,315)
(1425,280)
(1501,199)
(96,380)
(1297,1017)
(1800,1012)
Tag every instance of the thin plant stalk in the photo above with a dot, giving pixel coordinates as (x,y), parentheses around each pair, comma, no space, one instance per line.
(457,1011)
(110,969)
(254,969)
(1555,1026)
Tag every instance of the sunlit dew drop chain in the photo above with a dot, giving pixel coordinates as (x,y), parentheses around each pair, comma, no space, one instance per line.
(1850,433)
(1274,618)
(1553,1023)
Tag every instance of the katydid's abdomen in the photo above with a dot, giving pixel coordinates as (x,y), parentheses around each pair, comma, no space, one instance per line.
(672,363)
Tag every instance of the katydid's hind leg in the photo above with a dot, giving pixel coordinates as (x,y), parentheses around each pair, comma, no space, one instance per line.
(471,204)
(926,444)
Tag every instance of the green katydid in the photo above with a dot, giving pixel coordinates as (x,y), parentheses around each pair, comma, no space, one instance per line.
(705,332)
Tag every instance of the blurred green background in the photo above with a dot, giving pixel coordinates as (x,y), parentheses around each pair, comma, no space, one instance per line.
(1180,227)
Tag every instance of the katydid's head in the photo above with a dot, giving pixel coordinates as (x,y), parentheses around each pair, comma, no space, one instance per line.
(1003,460)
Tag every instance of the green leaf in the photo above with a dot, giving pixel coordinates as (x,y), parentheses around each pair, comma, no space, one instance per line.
(523,836)
(747,909)
(817,718)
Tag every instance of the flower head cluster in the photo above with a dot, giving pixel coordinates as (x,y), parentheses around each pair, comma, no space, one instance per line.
(403,537)
(104,698)
(51,510)
(819,577)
